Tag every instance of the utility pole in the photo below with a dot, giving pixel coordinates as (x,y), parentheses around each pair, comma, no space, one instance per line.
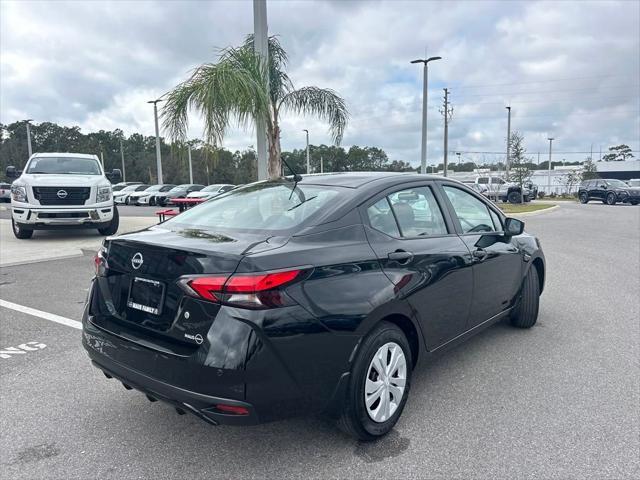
(101,157)
(29,149)
(538,158)
(321,165)
(124,172)
(425,84)
(308,163)
(190,165)
(447,112)
(158,154)
(261,46)
(506,168)
(549,171)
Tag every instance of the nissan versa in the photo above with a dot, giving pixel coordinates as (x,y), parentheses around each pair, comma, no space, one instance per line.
(314,294)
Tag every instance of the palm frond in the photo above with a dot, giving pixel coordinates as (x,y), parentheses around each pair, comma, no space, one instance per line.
(232,88)
(321,102)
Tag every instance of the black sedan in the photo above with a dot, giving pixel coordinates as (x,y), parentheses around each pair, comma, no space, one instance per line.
(306,295)
(609,191)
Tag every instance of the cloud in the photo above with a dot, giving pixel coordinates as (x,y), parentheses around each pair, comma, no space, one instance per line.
(571,71)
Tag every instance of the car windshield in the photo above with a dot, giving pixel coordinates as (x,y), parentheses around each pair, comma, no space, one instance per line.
(180,188)
(64,166)
(154,188)
(616,183)
(263,206)
(211,188)
(129,188)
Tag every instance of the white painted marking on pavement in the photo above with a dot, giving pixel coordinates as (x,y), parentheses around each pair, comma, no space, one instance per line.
(39,313)
(24,348)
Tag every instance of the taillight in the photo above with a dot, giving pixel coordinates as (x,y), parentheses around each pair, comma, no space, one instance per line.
(252,290)
(100,261)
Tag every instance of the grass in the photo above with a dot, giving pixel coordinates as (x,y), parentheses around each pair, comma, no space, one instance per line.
(522,208)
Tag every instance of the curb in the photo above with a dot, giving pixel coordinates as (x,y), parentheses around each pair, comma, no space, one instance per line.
(534,213)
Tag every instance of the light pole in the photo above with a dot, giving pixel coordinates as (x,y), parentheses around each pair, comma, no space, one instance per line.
(158,154)
(29,135)
(549,167)
(425,83)
(308,163)
(261,47)
(124,172)
(190,165)
(506,168)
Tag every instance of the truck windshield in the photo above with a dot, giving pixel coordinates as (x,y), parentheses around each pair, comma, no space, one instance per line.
(64,166)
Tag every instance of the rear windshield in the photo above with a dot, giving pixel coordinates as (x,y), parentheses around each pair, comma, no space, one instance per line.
(64,165)
(262,206)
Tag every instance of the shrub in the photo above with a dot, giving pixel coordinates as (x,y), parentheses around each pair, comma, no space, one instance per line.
(541,194)
(552,195)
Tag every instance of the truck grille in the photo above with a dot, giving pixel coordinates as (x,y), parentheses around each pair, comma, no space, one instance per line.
(61,195)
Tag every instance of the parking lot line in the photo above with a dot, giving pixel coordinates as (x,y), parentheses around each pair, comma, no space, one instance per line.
(40,314)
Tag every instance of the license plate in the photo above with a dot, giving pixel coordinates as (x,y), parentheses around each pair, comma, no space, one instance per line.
(146,295)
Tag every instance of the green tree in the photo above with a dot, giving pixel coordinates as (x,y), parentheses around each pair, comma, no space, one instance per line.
(241,87)
(520,168)
(618,153)
(589,170)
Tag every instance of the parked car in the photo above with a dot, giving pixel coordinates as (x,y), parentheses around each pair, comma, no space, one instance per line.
(5,192)
(180,191)
(62,190)
(499,189)
(634,182)
(122,197)
(481,189)
(307,294)
(609,191)
(211,191)
(119,186)
(143,197)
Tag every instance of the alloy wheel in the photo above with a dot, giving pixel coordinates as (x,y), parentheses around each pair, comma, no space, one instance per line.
(385,383)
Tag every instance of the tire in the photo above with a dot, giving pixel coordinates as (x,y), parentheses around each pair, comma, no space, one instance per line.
(19,231)
(634,203)
(584,198)
(152,202)
(513,197)
(526,313)
(126,201)
(112,228)
(611,199)
(356,419)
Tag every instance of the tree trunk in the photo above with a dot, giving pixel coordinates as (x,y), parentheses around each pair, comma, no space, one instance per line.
(274,168)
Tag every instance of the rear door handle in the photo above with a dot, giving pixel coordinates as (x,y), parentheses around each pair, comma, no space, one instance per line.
(401,256)
(480,254)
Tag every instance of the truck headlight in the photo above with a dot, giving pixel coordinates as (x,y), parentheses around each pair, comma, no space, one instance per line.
(19,193)
(104,194)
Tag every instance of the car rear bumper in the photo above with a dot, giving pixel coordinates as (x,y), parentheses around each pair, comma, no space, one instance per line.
(35,218)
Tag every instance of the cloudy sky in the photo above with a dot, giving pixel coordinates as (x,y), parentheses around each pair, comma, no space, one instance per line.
(568,69)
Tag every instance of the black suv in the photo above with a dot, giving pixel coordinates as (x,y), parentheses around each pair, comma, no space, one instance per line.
(307,294)
(609,191)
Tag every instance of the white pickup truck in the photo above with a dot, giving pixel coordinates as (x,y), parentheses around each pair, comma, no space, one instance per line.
(62,190)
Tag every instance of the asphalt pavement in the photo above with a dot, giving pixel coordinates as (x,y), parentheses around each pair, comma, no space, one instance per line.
(558,401)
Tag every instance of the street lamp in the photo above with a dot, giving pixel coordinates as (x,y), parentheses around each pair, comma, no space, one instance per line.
(158,155)
(308,163)
(29,135)
(425,82)
(549,167)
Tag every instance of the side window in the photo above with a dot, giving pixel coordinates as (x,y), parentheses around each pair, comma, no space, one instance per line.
(381,218)
(497,223)
(498,181)
(417,212)
(483,180)
(473,214)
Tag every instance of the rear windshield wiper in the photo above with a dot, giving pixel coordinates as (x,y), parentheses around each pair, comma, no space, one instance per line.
(296,179)
(304,201)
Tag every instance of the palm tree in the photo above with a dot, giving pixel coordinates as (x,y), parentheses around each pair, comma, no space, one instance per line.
(241,88)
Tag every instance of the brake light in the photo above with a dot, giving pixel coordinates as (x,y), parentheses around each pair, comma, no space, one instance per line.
(252,290)
(100,261)
(208,287)
(232,409)
(260,282)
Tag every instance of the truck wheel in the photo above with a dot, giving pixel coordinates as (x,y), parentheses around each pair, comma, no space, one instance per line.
(611,199)
(379,384)
(112,228)
(19,231)
(513,197)
(526,314)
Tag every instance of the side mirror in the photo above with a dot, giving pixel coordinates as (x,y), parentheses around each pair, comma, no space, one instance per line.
(603,186)
(115,176)
(11,172)
(513,226)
